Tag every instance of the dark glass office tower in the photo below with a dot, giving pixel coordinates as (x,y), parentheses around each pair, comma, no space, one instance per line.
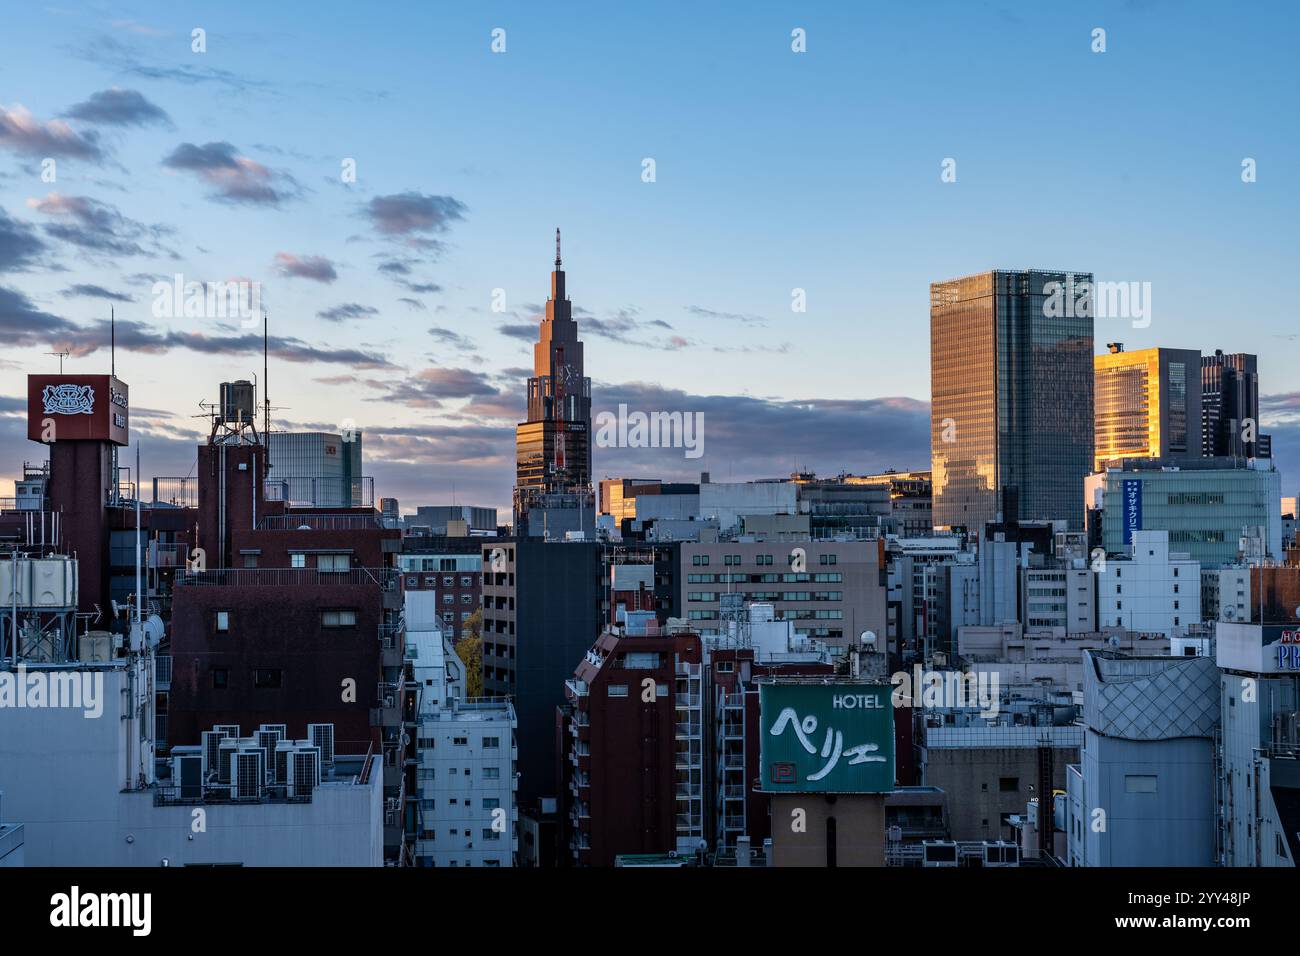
(552,448)
(1011,386)
(1229,398)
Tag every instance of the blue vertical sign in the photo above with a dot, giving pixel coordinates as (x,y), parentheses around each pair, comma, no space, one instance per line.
(1132,508)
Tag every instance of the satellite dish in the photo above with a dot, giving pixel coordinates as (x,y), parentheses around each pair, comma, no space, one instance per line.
(153,630)
(1229,612)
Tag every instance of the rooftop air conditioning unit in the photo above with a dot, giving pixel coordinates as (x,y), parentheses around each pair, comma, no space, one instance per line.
(249,774)
(226,749)
(187,775)
(230,730)
(322,737)
(1001,854)
(304,771)
(280,769)
(211,742)
(269,740)
(939,853)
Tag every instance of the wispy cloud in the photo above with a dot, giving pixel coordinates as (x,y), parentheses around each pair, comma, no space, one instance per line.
(348,310)
(316,268)
(118,107)
(89,291)
(234,177)
(24,134)
(413,213)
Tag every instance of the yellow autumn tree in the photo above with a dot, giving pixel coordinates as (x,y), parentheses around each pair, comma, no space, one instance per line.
(470,650)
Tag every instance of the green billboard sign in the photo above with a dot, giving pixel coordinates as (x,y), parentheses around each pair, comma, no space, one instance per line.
(826,738)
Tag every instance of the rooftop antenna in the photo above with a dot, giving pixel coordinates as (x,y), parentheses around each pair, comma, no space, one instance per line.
(62,355)
(112,343)
(266,394)
(557,248)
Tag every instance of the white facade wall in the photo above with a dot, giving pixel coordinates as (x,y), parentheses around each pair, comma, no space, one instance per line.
(1154,591)
(63,776)
(727,501)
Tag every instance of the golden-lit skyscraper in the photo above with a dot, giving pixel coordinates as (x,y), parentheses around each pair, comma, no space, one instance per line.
(553,447)
(1148,404)
(1011,381)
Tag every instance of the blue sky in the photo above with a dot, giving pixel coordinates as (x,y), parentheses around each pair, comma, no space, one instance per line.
(774,171)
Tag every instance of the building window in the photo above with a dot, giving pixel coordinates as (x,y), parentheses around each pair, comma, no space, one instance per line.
(448,580)
(725,667)
(491,773)
(268,678)
(298,560)
(333,562)
(1139,783)
(491,743)
(223,622)
(220,678)
(460,741)
(1008,784)
(617,690)
(338,618)
(250,560)
(466,581)
(491,803)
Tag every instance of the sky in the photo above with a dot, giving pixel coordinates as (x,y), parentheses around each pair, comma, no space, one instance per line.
(404,299)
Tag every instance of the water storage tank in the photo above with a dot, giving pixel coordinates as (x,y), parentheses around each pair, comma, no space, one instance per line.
(41,583)
(237,402)
(53,583)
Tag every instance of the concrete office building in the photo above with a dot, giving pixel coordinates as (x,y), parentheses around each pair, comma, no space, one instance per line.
(1143,791)
(1060,599)
(832,590)
(910,498)
(1207,505)
(727,502)
(318,469)
(1045,658)
(989,770)
(1148,404)
(438,519)
(1152,590)
(1011,410)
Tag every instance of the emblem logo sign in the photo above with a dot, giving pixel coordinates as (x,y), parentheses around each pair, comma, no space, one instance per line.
(68,400)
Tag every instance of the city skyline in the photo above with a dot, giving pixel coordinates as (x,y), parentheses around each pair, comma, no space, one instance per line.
(219,159)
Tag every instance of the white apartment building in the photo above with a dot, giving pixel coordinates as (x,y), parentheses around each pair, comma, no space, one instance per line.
(1155,590)
(466,811)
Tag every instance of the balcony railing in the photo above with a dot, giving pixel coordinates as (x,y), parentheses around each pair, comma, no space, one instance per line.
(385,578)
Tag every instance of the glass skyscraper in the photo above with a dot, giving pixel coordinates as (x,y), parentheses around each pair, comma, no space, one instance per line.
(1011,385)
(1148,404)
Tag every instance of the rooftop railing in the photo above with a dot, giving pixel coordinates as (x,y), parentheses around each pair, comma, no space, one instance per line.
(385,578)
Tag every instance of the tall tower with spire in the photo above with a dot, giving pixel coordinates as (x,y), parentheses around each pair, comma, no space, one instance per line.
(553,447)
